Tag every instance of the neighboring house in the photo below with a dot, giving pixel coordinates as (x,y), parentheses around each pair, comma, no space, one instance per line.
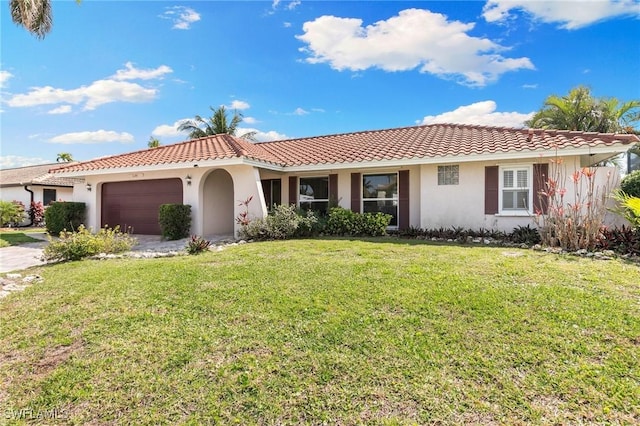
(35,183)
(425,176)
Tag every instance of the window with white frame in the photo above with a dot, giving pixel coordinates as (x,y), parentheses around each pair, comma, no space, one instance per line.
(448,175)
(314,194)
(515,189)
(380,194)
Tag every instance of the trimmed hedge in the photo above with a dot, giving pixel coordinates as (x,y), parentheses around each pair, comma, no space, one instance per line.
(630,184)
(64,215)
(345,222)
(175,220)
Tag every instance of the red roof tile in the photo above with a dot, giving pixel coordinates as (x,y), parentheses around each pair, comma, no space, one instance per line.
(432,141)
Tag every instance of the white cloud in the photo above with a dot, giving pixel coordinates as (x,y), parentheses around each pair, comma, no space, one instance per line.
(132,73)
(239,105)
(88,138)
(169,130)
(569,14)
(415,38)
(479,113)
(62,109)
(287,24)
(11,161)
(262,136)
(181,16)
(249,120)
(293,4)
(529,86)
(98,93)
(300,111)
(4,78)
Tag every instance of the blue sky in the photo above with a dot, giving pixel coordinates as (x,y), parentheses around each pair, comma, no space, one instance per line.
(112,74)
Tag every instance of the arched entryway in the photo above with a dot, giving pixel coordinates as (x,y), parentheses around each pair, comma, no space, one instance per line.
(218,204)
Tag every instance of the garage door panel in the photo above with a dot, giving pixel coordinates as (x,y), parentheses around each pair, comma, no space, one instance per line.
(134,204)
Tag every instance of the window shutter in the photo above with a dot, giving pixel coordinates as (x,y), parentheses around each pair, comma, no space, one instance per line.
(540,175)
(293,190)
(333,190)
(356,191)
(491,180)
(403,199)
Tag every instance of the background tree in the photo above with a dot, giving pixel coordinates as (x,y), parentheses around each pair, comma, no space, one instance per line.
(34,15)
(217,124)
(64,157)
(579,110)
(153,142)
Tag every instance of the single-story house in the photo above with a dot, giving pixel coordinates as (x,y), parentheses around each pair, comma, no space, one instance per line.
(428,176)
(35,183)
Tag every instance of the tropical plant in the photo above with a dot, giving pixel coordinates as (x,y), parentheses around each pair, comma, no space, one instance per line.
(197,245)
(630,184)
(153,142)
(217,124)
(64,157)
(579,110)
(11,212)
(83,243)
(628,207)
(36,213)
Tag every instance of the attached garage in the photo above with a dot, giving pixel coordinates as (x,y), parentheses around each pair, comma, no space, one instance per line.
(134,204)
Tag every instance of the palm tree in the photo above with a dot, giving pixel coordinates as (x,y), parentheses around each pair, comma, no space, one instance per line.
(217,124)
(34,15)
(64,157)
(579,110)
(153,142)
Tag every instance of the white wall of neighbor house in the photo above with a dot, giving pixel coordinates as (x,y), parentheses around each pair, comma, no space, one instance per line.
(18,193)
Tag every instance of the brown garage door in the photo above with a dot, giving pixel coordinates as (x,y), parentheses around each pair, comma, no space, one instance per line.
(135,204)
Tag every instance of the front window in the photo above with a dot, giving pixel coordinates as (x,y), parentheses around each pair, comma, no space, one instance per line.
(380,194)
(272,190)
(314,194)
(515,189)
(48,196)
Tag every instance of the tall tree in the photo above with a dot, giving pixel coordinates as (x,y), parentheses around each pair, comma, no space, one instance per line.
(218,123)
(579,110)
(153,142)
(34,15)
(64,157)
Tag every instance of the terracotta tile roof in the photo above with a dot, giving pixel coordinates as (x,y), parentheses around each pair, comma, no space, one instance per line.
(418,142)
(216,147)
(432,141)
(35,175)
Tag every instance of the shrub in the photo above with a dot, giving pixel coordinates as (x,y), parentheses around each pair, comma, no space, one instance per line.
(525,235)
(175,220)
(36,213)
(630,184)
(64,215)
(11,212)
(282,223)
(623,240)
(82,243)
(345,222)
(197,245)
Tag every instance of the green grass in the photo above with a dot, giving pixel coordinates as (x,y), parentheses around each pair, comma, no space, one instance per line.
(16,238)
(328,331)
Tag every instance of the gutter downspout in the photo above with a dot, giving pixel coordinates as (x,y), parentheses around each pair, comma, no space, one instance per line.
(26,188)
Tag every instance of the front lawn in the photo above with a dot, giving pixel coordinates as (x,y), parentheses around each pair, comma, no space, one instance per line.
(328,331)
(10,238)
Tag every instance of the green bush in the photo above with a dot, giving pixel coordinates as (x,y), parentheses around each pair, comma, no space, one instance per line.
(175,220)
(345,222)
(630,184)
(282,223)
(82,243)
(64,215)
(11,212)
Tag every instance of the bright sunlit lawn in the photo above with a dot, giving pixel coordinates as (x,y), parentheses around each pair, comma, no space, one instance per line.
(335,331)
(12,238)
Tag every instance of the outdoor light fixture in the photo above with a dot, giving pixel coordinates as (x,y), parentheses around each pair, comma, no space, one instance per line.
(188,179)
(89,187)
